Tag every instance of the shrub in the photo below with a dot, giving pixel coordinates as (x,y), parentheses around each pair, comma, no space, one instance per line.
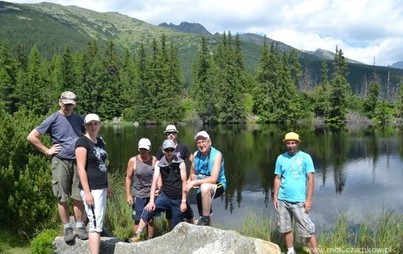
(42,243)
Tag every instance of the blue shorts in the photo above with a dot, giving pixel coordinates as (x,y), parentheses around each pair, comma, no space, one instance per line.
(138,207)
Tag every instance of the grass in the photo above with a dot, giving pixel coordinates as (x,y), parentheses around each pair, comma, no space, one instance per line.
(12,244)
(359,232)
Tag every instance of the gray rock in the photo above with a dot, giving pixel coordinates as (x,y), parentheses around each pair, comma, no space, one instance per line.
(184,238)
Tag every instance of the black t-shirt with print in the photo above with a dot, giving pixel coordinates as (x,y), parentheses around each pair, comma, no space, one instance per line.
(95,166)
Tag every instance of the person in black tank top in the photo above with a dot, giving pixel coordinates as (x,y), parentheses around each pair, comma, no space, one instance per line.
(172,171)
(183,152)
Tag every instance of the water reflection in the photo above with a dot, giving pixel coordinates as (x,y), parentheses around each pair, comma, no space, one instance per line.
(356,168)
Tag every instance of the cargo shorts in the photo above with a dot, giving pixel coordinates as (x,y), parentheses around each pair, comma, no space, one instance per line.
(65,179)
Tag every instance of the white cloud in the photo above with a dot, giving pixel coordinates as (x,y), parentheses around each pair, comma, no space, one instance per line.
(363,29)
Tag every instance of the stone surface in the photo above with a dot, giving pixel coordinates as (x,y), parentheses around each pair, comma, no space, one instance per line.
(184,238)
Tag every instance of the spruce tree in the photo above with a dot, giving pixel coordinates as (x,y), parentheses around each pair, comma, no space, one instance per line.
(89,80)
(110,105)
(8,74)
(340,90)
(203,90)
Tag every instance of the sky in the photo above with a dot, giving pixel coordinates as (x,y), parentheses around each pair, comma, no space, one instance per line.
(368,31)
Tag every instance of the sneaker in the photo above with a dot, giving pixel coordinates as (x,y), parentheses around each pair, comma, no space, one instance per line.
(203,221)
(68,235)
(82,233)
(135,238)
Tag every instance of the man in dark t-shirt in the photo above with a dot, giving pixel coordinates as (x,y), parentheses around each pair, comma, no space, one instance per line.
(183,152)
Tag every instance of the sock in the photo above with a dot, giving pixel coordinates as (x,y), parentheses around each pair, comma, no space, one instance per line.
(67,225)
(291,250)
(79,224)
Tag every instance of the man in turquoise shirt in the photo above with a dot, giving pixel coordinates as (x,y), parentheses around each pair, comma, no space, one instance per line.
(293,191)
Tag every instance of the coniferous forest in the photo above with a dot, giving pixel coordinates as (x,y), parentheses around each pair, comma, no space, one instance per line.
(146,85)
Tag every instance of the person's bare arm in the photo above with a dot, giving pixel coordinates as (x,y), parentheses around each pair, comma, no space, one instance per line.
(81,159)
(34,138)
(182,168)
(276,187)
(131,165)
(309,192)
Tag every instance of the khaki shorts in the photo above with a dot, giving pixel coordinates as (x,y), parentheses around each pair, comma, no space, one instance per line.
(288,211)
(65,179)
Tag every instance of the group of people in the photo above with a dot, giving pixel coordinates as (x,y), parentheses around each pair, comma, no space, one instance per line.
(156,184)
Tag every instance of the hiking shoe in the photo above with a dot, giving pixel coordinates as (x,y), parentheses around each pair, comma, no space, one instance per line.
(135,238)
(68,235)
(203,221)
(82,233)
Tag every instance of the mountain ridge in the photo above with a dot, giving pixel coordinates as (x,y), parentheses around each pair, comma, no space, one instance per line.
(52,26)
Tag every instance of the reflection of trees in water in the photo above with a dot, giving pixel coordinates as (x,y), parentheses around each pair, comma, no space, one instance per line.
(339,158)
(234,163)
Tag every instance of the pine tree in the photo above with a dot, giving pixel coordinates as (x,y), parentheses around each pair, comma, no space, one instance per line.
(143,107)
(340,90)
(8,74)
(266,92)
(110,105)
(203,91)
(32,87)
(128,77)
(372,99)
(230,85)
(321,93)
(398,113)
(89,80)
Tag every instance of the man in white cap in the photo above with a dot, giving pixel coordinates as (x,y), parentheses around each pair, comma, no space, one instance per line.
(183,152)
(173,196)
(64,128)
(293,192)
(207,175)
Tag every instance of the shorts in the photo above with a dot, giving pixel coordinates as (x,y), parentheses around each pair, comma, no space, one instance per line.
(65,179)
(138,207)
(96,213)
(217,192)
(287,211)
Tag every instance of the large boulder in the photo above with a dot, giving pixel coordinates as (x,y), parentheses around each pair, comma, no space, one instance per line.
(184,238)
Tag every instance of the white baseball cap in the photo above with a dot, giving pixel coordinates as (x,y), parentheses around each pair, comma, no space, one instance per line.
(203,134)
(91,117)
(145,143)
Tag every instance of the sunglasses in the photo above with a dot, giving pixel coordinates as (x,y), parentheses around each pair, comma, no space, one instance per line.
(169,150)
(171,133)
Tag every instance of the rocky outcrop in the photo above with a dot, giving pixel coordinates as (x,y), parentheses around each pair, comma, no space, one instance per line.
(184,238)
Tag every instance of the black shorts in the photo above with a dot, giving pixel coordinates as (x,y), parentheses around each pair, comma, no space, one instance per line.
(218,192)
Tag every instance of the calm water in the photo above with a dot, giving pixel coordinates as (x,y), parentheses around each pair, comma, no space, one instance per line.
(358,171)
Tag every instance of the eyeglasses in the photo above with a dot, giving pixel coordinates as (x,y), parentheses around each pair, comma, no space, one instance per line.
(169,150)
(201,142)
(170,133)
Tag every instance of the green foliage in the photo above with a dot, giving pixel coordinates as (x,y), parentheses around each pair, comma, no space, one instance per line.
(26,199)
(31,203)
(370,103)
(340,90)
(42,243)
